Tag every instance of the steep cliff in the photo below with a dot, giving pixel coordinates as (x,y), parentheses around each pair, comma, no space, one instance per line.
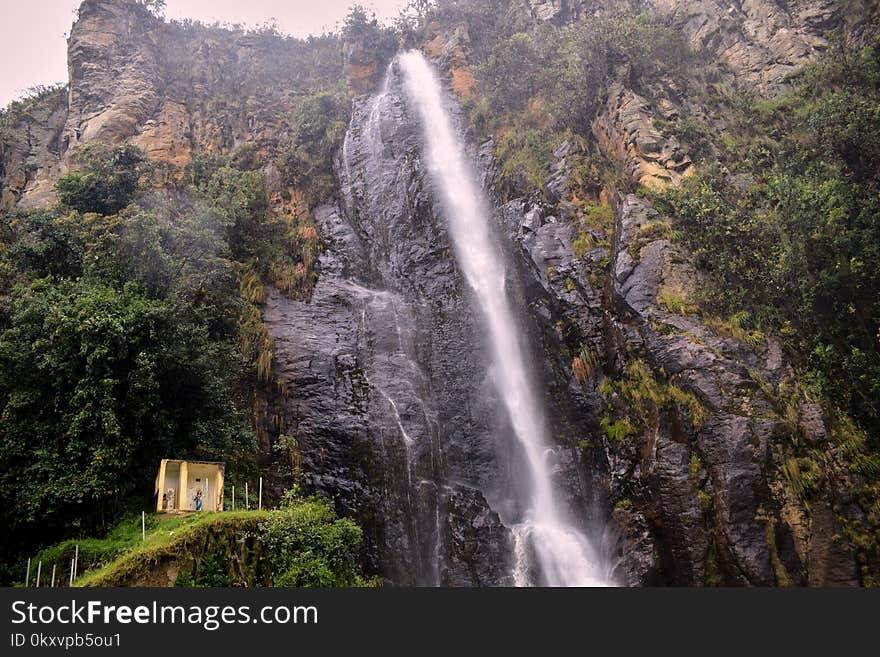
(710,490)
(172,89)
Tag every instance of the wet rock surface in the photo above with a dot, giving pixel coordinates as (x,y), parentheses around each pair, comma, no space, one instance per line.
(394,410)
(392,401)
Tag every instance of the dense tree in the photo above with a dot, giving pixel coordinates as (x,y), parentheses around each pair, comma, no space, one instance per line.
(96,385)
(107,182)
(118,343)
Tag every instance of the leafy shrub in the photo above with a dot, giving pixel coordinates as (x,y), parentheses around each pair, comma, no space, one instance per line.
(310,546)
(107,182)
(617,430)
(363,26)
(515,71)
(96,385)
(319,125)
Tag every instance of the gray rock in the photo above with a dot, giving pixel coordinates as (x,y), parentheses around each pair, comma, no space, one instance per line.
(638,564)
(685,542)
(480,546)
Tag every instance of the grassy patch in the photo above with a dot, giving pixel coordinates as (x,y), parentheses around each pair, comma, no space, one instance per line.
(675,300)
(617,430)
(169,536)
(735,328)
(585,365)
(646,398)
(594,217)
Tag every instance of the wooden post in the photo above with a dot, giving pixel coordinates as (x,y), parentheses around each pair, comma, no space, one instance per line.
(39,569)
(143,526)
(27,573)
(52,585)
(71,572)
(233,497)
(76,561)
(260,498)
(247,505)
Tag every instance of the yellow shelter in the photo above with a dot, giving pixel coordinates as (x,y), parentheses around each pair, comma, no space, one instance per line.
(189,486)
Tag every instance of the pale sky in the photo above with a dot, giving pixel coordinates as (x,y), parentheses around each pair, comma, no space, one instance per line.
(33,33)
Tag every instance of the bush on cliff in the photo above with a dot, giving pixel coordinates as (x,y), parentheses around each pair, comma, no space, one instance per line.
(309,546)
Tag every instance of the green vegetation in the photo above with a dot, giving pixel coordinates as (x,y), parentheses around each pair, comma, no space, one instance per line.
(107,182)
(318,127)
(617,430)
(640,398)
(220,541)
(99,558)
(363,27)
(594,218)
(309,546)
(790,240)
(675,300)
(130,327)
(539,84)
(301,544)
(735,328)
(36,99)
(96,380)
(118,346)
(525,153)
(569,67)
(123,337)
(129,331)
(696,134)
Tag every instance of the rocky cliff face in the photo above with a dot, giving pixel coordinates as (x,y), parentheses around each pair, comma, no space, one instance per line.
(389,416)
(394,413)
(388,398)
(172,89)
(705,502)
(708,502)
(760,41)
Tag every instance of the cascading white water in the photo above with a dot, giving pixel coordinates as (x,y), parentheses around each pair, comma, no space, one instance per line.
(565,556)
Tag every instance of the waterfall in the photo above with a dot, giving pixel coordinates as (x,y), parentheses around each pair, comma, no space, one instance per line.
(564,555)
